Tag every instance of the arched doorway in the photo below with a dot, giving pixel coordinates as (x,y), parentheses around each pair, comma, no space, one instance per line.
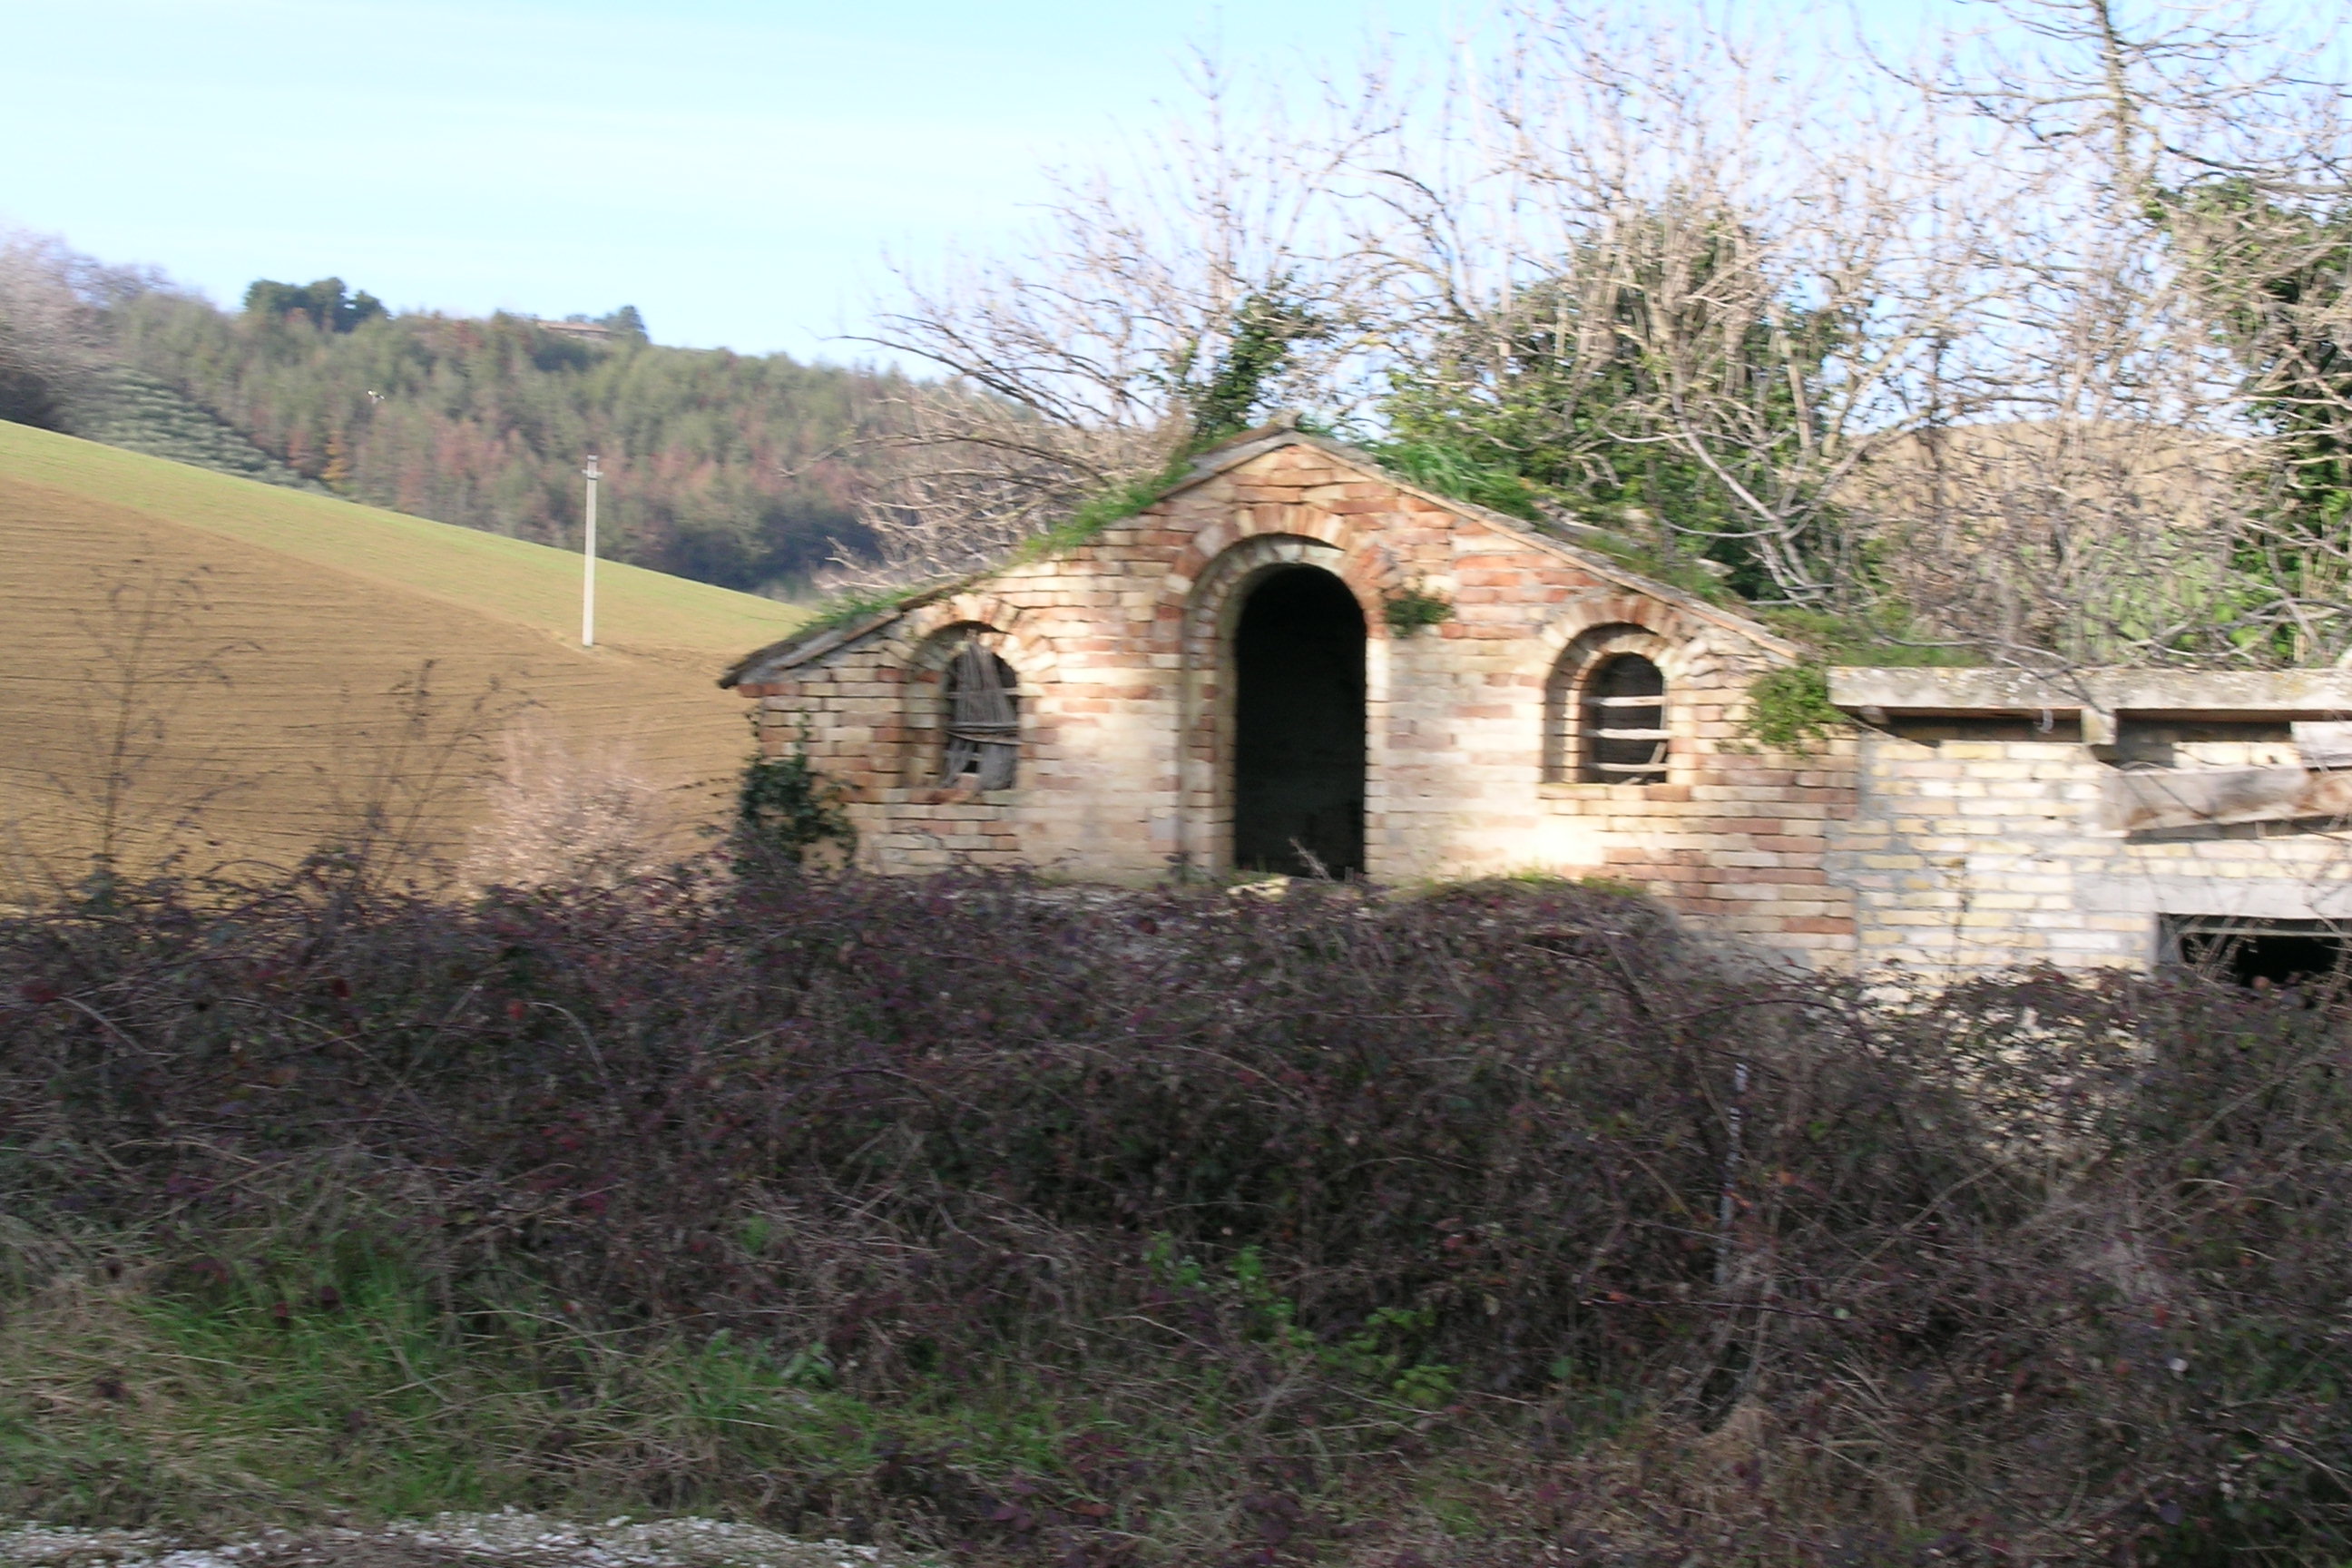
(1299,726)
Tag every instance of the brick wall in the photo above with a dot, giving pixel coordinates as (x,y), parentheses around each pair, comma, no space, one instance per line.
(1123,651)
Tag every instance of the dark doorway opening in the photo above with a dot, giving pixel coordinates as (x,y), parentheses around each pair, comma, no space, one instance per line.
(2258,951)
(1299,720)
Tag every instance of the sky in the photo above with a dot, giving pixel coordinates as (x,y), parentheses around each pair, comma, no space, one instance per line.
(736,170)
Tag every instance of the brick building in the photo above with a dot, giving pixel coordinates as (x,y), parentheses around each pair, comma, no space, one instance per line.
(1295,662)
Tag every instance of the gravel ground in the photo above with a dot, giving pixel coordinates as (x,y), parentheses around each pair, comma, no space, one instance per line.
(509,1540)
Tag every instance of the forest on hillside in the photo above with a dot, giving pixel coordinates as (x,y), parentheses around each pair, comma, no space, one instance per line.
(737,469)
(717,464)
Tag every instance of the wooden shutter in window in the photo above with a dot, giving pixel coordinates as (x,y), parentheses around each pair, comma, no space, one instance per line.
(984,720)
(1625,722)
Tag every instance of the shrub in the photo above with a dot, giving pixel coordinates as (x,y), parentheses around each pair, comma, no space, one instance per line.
(557,816)
(1789,709)
(1411,609)
(784,809)
(1502,1223)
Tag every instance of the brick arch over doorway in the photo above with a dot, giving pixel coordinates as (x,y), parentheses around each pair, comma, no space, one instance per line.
(1216,608)
(1299,725)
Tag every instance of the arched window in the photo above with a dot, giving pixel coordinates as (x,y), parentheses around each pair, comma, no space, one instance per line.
(1624,714)
(984,720)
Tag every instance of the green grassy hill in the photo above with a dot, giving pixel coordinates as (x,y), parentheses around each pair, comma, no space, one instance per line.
(262,649)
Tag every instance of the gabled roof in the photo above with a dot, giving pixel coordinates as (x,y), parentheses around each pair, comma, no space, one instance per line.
(1556,538)
(1222,458)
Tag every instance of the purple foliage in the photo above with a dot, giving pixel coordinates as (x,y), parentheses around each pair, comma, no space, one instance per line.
(2083,1242)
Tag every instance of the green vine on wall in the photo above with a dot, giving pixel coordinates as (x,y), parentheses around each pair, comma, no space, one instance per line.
(1789,709)
(1410,608)
(785,808)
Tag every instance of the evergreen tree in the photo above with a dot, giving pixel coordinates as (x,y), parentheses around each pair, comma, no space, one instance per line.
(720,466)
(328,305)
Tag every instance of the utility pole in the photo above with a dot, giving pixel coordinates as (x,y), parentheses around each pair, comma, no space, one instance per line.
(588,552)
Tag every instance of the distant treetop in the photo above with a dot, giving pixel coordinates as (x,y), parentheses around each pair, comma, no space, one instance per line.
(326,302)
(622,325)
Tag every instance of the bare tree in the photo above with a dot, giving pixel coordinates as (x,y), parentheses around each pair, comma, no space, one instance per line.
(44,334)
(52,332)
(1091,359)
(2036,344)
(2027,345)
(128,794)
(401,788)
(1609,236)
(1691,255)
(2117,496)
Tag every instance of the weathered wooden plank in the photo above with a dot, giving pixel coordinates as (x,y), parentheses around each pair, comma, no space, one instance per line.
(2190,797)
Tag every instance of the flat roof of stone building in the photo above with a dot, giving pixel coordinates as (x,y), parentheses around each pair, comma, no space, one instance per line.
(1875,691)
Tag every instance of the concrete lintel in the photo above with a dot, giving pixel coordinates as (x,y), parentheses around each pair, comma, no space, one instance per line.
(2246,898)
(2102,692)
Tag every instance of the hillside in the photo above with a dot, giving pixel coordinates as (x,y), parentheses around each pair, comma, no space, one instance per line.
(128,408)
(253,657)
(728,469)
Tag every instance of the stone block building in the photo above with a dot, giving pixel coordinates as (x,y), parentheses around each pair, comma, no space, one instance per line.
(2107,817)
(1297,661)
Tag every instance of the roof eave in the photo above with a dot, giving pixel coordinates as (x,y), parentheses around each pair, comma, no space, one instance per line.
(1875,691)
(816,642)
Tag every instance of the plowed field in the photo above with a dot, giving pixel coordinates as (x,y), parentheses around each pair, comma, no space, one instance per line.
(212,668)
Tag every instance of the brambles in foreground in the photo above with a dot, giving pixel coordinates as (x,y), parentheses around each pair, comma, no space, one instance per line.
(507,1539)
(1498,1224)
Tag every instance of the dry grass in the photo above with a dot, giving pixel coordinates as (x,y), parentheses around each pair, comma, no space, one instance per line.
(562,815)
(321,675)
(507,1539)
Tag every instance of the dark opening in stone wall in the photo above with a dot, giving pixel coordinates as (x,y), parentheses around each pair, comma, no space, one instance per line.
(1298,756)
(2257,952)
